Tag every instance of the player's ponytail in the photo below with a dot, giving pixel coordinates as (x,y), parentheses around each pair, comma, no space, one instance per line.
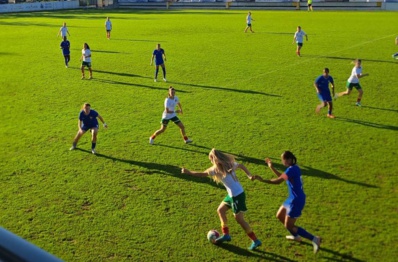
(289,155)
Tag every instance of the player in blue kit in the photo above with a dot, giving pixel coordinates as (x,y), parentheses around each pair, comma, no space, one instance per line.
(88,121)
(159,54)
(65,46)
(291,209)
(322,89)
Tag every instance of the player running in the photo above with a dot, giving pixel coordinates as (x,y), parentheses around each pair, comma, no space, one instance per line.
(298,38)
(322,89)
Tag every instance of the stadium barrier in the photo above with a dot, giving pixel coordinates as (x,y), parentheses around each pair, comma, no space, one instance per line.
(259,4)
(16,249)
(38,6)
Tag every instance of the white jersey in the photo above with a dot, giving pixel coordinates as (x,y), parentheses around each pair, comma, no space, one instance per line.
(230,182)
(249,19)
(171,104)
(299,36)
(86,52)
(108,25)
(63,31)
(353,77)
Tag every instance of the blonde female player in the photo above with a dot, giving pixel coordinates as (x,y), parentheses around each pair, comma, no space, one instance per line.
(291,209)
(223,171)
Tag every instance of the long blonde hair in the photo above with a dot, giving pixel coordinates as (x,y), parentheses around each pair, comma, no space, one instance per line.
(223,164)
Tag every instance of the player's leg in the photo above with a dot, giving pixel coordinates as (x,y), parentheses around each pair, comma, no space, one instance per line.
(360,94)
(183,134)
(330,109)
(79,134)
(349,87)
(164,71)
(82,69)
(163,127)
(91,72)
(222,214)
(156,72)
(94,133)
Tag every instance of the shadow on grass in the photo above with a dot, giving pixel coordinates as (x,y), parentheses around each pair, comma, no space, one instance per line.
(226,89)
(110,52)
(259,254)
(366,123)
(137,40)
(383,109)
(352,59)
(156,168)
(164,89)
(339,256)
(307,171)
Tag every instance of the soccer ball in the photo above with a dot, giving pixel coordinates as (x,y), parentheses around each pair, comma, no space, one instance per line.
(212,235)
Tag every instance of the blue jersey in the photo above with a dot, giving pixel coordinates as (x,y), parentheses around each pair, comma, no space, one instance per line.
(89,120)
(158,56)
(65,45)
(323,84)
(294,184)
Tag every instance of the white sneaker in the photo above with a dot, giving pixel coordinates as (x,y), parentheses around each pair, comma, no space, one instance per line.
(294,238)
(358,104)
(155,80)
(151,141)
(72,148)
(188,141)
(93,151)
(316,242)
(164,79)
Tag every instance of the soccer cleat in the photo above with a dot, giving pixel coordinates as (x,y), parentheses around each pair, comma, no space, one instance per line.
(330,116)
(223,238)
(358,104)
(164,79)
(151,140)
(294,238)
(66,66)
(73,147)
(155,80)
(188,141)
(255,244)
(83,77)
(93,151)
(316,242)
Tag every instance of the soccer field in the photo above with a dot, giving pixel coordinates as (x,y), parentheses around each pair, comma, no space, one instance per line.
(247,94)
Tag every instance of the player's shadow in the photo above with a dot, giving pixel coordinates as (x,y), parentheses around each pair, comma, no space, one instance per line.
(137,40)
(338,256)
(110,52)
(306,171)
(121,74)
(259,254)
(252,92)
(152,168)
(113,82)
(366,123)
(352,59)
(383,109)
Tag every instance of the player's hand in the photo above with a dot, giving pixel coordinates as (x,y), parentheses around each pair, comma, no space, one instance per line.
(269,162)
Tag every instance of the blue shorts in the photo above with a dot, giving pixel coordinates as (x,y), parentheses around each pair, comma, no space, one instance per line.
(299,44)
(324,97)
(159,63)
(86,128)
(294,208)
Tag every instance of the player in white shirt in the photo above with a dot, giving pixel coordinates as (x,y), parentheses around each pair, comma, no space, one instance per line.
(299,39)
(86,60)
(223,171)
(63,31)
(249,20)
(396,54)
(108,28)
(353,81)
(170,113)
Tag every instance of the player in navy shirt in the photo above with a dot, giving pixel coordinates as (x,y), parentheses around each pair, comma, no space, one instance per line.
(88,121)
(65,46)
(322,89)
(158,54)
(291,209)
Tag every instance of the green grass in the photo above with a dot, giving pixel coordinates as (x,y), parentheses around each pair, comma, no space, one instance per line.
(246,94)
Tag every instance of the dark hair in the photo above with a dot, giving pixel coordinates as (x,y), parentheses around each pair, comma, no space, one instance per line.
(289,155)
(326,70)
(87,45)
